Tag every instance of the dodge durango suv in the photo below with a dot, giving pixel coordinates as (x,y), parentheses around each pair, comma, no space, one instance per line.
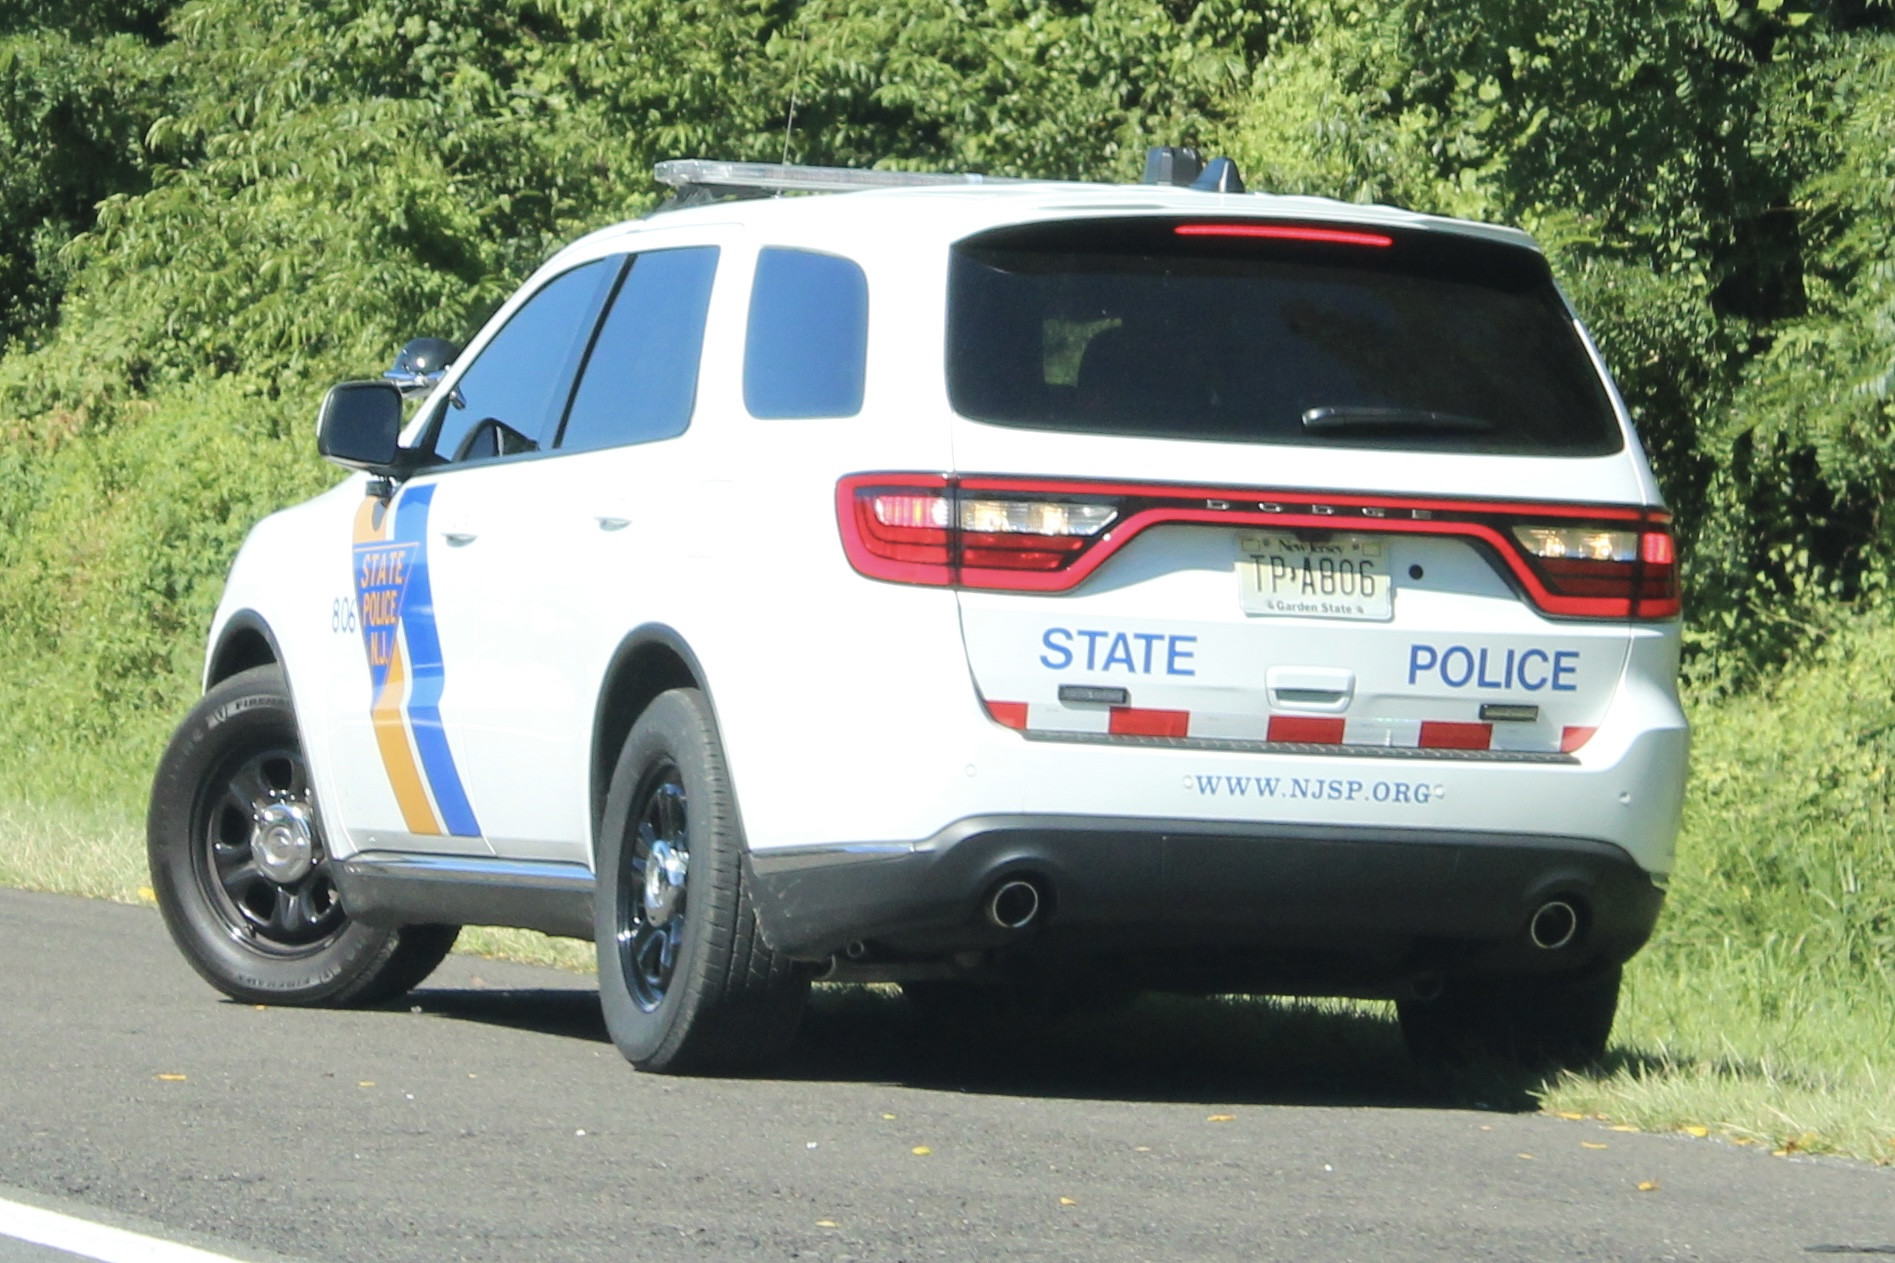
(986,586)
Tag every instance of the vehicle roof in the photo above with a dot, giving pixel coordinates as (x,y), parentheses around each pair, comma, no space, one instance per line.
(949,213)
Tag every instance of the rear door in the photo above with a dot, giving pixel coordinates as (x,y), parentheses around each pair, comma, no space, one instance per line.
(1316,485)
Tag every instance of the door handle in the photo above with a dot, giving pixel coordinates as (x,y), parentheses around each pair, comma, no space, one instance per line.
(607,523)
(459,539)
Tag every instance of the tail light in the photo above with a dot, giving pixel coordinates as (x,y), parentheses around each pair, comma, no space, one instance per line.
(1571,561)
(935,531)
(1606,572)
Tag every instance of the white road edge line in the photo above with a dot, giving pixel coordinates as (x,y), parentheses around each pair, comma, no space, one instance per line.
(95,1241)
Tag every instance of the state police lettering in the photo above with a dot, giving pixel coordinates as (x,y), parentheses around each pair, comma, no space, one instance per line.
(1137,653)
(1459,667)
(406,671)
(381,576)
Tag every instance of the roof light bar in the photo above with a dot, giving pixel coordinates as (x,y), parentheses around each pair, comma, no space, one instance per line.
(1287,232)
(700,180)
(776,177)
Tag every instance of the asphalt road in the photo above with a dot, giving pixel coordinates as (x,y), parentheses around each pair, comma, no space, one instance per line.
(489,1118)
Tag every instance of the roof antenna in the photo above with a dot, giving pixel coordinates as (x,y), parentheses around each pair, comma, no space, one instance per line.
(788,123)
(796,78)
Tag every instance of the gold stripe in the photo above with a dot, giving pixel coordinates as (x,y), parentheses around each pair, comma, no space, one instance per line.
(371,520)
(391,736)
(391,732)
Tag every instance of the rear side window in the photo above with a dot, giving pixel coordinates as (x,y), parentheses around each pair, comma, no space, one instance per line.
(640,379)
(1196,330)
(806,349)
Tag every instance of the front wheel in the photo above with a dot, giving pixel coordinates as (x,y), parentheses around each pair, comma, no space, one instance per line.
(241,869)
(1559,1022)
(685,980)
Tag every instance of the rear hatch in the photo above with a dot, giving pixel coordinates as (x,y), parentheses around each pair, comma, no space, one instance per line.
(1283,485)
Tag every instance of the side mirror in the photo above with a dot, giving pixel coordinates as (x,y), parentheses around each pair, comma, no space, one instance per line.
(359,426)
(421,363)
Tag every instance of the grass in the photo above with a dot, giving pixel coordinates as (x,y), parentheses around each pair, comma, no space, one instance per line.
(528,947)
(1763,1012)
(1734,1045)
(93,851)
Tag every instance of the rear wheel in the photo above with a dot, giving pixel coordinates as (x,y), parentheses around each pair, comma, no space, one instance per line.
(240,866)
(1533,1023)
(685,980)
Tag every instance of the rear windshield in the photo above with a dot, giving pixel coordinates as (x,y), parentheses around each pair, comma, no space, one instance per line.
(1195,330)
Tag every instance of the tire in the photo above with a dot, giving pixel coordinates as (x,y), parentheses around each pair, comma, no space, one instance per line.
(240,868)
(686,982)
(1561,1022)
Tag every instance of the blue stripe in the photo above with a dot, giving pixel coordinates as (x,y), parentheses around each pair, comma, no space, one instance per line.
(424,658)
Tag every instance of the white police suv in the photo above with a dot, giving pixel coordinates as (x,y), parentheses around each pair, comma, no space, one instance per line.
(969,584)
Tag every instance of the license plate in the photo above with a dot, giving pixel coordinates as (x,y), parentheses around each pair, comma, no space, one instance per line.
(1344,576)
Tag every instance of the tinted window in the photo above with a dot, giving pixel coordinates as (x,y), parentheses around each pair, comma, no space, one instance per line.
(808,340)
(522,377)
(640,379)
(1411,340)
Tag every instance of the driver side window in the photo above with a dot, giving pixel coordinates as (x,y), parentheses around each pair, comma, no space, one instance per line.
(510,398)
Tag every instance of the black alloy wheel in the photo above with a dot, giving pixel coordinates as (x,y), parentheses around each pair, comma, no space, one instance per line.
(652,889)
(686,982)
(242,869)
(261,859)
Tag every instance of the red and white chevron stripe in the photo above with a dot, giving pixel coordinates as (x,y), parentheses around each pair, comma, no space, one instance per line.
(1337,730)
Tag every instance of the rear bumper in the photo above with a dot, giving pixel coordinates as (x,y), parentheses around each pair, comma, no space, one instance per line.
(1217,905)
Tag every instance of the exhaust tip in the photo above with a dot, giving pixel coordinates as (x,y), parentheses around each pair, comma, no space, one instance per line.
(1555,924)
(1014,905)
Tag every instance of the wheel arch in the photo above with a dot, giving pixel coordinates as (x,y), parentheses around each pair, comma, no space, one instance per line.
(245,641)
(650,660)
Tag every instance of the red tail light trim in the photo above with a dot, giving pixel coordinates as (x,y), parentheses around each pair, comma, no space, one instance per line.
(1645,587)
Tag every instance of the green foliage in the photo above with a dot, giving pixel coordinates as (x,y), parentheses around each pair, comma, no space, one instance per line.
(1764,1008)
(1713,184)
(1014,87)
(1789,843)
(265,196)
(210,221)
(211,209)
(143,18)
(71,118)
(1822,388)
(1323,113)
(114,555)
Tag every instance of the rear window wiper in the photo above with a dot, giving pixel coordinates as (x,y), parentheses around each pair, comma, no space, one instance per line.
(1357,418)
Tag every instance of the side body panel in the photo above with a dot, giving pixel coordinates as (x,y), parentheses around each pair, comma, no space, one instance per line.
(350,663)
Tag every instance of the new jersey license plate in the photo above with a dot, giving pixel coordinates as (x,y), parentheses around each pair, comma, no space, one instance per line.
(1344,576)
